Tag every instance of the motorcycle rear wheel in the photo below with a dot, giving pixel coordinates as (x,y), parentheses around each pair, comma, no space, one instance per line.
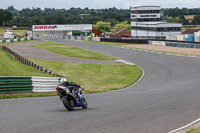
(68,103)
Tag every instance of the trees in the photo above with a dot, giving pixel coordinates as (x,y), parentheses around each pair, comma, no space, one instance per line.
(83,16)
(196,20)
(183,20)
(58,18)
(122,25)
(5,17)
(102,26)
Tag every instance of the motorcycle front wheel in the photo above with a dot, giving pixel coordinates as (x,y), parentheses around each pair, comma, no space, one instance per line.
(68,103)
(84,103)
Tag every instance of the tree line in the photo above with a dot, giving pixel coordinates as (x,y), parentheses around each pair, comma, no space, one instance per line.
(36,16)
(178,15)
(5,17)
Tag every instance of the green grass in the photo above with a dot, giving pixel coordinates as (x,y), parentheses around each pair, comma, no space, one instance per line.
(95,77)
(197,130)
(24,95)
(111,43)
(9,66)
(70,51)
(2,31)
(18,32)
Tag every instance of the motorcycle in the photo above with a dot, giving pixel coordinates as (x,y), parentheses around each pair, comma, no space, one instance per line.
(71,96)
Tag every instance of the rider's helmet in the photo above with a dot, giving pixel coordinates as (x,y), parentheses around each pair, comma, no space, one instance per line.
(62,79)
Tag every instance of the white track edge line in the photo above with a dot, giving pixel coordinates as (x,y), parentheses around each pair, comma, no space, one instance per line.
(188,125)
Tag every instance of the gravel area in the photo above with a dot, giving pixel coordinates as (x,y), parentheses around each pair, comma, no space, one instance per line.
(25,49)
(178,50)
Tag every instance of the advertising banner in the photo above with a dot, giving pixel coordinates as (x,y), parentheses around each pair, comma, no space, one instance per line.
(81,27)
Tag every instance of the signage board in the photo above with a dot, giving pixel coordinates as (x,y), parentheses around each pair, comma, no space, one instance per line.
(81,27)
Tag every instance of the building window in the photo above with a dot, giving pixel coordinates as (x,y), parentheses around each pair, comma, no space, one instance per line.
(146,11)
(160,29)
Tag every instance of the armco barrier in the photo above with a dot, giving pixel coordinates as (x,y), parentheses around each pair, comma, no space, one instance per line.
(44,84)
(134,41)
(185,45)
(17,84)
(13,84)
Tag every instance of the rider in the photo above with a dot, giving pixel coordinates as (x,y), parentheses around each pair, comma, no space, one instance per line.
(73,87)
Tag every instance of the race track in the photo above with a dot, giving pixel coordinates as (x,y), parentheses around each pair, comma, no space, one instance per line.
(166,98)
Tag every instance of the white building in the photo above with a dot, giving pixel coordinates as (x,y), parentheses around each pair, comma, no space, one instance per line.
(147,22)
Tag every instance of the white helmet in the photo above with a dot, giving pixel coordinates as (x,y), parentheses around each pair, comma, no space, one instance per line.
(63,79)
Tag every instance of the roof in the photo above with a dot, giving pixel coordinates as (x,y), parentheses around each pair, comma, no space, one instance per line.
(119,30)
(190,31)
(155,23)
(145,6)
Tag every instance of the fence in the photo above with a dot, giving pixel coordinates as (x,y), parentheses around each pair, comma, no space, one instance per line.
(176,44)
(83,38)
(134,41)
(56,35)
(15,40)
(17,84)
(28,62)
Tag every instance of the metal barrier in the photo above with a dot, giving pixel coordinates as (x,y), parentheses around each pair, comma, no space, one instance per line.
(184,45)
(44,84)
(14,84)
(17,84)
(16,40)
(134,41)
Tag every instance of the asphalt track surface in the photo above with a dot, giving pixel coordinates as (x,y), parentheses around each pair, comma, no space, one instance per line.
(166,98)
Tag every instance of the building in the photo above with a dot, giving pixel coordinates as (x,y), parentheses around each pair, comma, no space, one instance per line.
(148,22)
(191,35)
(120,33)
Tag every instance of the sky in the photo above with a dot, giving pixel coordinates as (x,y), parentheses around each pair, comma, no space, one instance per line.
(97,4)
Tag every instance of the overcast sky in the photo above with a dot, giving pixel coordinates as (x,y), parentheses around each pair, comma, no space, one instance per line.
(97,4)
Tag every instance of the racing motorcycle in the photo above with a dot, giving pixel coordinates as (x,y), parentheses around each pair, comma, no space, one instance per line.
(71,95)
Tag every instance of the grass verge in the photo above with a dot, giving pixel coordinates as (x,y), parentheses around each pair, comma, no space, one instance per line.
(24,95)
(9,66)
(95,78)
(110,43)
(18,32)
(70,51)
(197,130)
